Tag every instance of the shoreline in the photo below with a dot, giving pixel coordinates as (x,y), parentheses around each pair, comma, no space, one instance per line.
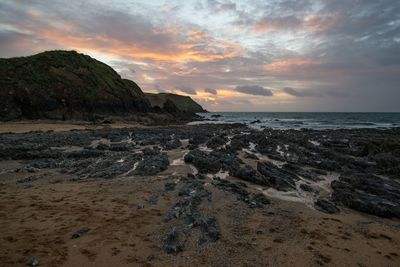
(193,195)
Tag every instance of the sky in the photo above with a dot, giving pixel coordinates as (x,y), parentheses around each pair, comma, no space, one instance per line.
(248,55)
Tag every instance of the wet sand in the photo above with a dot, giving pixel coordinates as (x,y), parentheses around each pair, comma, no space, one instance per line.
(38,221)
(44,125)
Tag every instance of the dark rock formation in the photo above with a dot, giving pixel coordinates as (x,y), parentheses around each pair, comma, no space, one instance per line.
(186,212)
(279,179)
(368,193)
(152,164)
(80,232)
(247,173)
(326,206)
(66,85)
(253,200)
(212,162)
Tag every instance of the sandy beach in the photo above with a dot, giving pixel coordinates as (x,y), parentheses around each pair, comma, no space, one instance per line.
(125,213)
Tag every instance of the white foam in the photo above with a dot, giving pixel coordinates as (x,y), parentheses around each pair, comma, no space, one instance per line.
(194,169)
(131,170)
(279,150)
(205,148)
(252,146)
(315,143)
(300,196)
(220,174)
(287,196)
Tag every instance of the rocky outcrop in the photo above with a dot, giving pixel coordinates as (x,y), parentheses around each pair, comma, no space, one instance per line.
(166,100)
(368,193)
(65,85)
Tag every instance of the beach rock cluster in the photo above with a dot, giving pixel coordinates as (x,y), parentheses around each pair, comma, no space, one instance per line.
(356,169)
(186,214)
(368,193)
(254,200)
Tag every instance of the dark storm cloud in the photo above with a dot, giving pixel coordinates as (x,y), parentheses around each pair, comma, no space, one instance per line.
(254,90)
(210,90)
(131,29)
(10,37)
(187,89)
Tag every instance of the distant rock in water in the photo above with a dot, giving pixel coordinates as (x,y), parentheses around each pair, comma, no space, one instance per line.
(67,85)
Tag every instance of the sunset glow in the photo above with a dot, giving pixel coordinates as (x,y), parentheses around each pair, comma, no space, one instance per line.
(306,55)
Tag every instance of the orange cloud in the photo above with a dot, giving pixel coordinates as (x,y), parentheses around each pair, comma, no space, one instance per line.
(65,35)
(287,65)
(196,35)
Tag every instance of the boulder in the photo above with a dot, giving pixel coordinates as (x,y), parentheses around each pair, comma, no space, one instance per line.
(326,206)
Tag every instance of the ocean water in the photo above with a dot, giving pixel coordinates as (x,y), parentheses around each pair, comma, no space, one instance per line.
(310,120)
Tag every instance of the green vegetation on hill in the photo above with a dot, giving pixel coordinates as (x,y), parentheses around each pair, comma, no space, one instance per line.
(183,103)
(69,85)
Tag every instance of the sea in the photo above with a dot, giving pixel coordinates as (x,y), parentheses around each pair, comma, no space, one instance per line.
(308,120)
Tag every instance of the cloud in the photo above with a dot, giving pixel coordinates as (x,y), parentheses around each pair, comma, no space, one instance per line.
(220,6)
(278,23)
(187,89)
(346,49)
(211,91)
(254,90)
(293,92)
(115,31)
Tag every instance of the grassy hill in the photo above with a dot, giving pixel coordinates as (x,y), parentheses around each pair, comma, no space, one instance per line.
(68,85)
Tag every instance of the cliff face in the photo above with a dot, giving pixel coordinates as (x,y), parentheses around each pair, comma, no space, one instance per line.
(66,85)
(182,103)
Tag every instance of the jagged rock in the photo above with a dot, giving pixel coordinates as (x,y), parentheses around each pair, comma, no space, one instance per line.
(186,211)
(278,178)
(368,193)
(80,232)
(32,262)
(30,179)
(171,245)
(172,144)
(152,164)
(216,141)
(103,167)
(203,161)
(212,162)
(209,227)
(253,200)
(307,188)
(199,139)
(326,206)
(307,174)
(151,151)
(247,173)
(121,147)
(169,187)
(259,200)
(250,156)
